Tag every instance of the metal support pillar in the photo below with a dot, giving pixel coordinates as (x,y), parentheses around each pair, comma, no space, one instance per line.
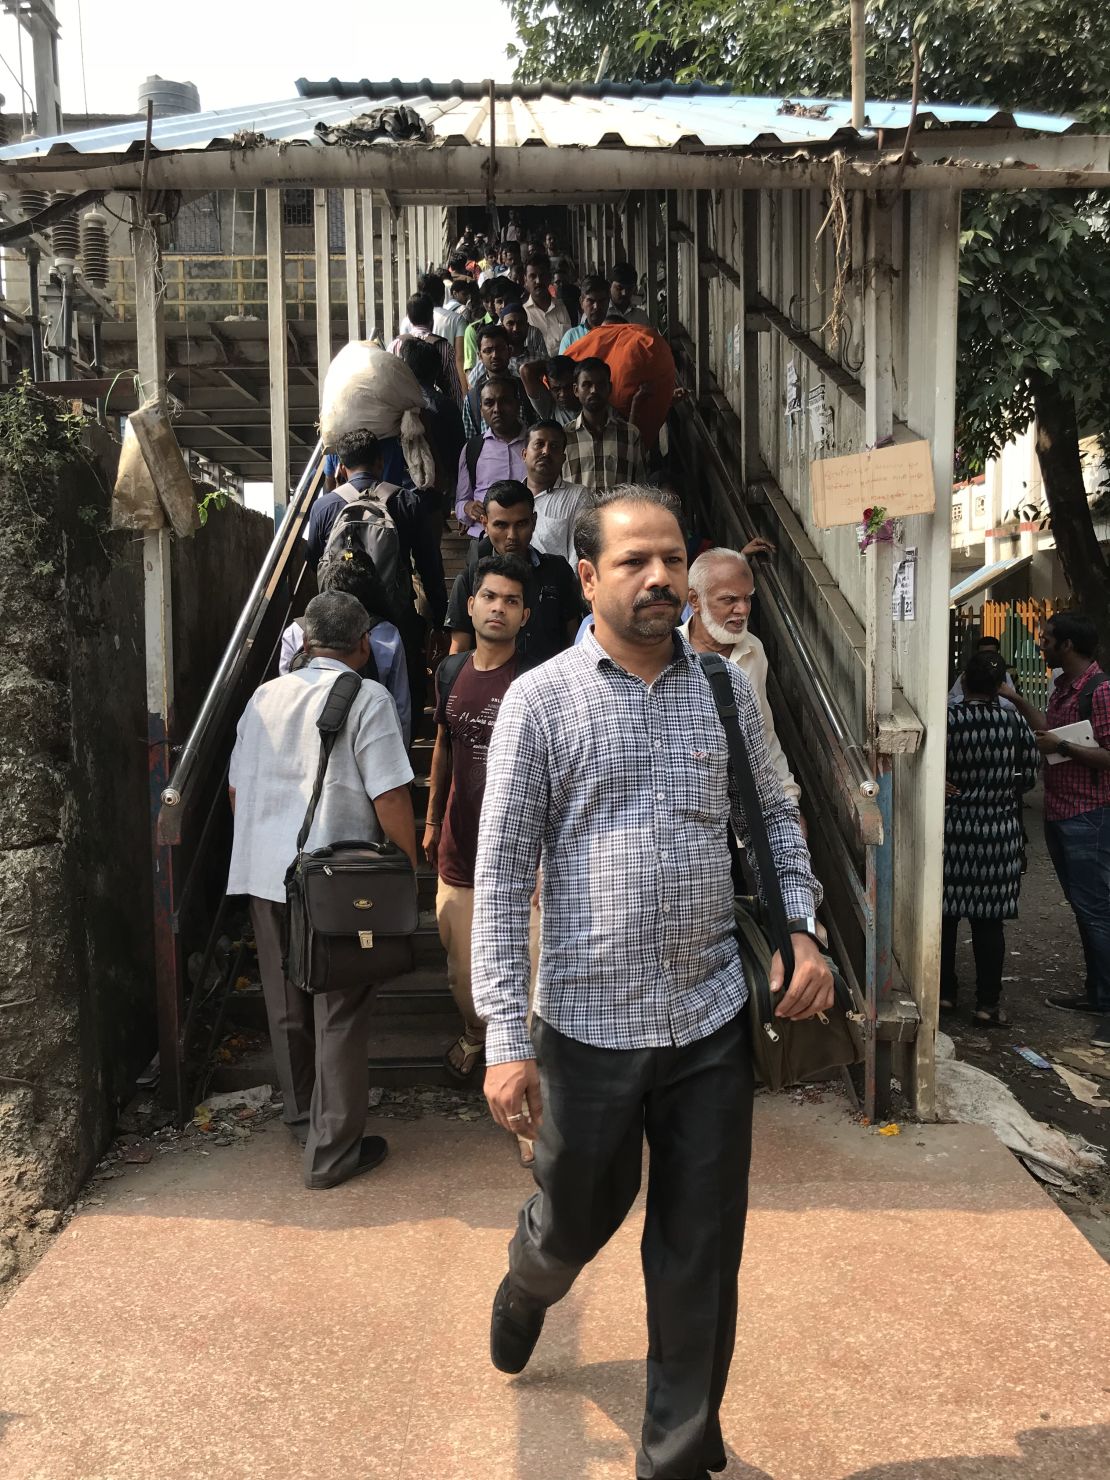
(279,351)
(702,273)
(42,26)
(323,281)
(38,365)
(369,261)
(653,228)
(673,315)
(878,380)
(933,290)
(158,633)
(388,223)
(404,274)
(350,248)
(751,460)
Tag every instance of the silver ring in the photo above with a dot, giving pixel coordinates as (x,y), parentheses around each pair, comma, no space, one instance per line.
(518,1117)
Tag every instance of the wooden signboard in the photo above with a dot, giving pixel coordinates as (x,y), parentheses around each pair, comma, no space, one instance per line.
(898,479)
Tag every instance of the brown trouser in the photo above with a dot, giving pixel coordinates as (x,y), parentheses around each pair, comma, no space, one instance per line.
(455,917)
(321,1050)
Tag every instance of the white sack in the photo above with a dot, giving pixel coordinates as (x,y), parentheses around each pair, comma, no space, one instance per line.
(974,1097)
(367,387)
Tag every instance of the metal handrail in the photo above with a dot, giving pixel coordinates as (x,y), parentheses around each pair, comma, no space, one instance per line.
(221,690)
(854,753)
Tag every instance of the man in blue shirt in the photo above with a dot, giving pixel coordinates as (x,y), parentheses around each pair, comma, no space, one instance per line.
(595,309)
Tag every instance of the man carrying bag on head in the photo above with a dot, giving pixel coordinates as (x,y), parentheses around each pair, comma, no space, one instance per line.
(320,1041)
(609,765)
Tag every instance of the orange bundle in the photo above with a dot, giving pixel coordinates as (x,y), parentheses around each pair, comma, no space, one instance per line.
(636,356)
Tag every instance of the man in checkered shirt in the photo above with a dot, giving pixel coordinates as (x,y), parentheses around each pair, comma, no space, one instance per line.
(603,450)
(608,767)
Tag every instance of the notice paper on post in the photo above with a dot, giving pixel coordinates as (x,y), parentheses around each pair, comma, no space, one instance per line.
(898,480)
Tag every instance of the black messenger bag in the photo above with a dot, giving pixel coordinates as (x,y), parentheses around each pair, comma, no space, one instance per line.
(350,907)
(784,1050)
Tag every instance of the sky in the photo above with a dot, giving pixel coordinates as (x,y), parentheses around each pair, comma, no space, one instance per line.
(242,51)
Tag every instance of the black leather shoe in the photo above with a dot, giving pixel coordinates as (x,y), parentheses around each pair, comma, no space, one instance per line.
(1076,1002)
(514,1329)
(372,1153)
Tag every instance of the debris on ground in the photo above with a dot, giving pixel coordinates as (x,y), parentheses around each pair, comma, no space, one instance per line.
(416,1103)
(890,1130)
(1093,1061)
(971,1096)
(1031,1056)
(1088,1091)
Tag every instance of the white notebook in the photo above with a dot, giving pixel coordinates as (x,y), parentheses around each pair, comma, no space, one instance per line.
(1078,734)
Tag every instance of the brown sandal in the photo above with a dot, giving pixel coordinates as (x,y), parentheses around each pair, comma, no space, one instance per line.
(471,1052)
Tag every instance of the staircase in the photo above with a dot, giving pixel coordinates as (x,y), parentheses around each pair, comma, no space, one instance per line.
(415,1019)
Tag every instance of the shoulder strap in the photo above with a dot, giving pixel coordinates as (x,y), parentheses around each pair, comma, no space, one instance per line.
(473,453)
(720,682)
(447,672)
(333,716)
(1087,693)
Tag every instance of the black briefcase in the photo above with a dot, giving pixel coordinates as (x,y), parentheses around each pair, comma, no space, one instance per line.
(351,907)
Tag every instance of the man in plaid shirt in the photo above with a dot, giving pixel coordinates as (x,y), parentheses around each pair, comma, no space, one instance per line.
(1077,800)
(608,766)
(603,450)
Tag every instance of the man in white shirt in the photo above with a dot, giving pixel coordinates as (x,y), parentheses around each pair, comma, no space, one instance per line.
(320,1042)
(447,320)
(721,589)
(558,503)
(546,313)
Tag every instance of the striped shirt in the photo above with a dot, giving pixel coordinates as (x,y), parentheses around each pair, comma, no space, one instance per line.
(604,459)
(443,348)
(621,791)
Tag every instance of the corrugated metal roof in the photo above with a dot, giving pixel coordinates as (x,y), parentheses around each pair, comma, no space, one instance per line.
(660,116)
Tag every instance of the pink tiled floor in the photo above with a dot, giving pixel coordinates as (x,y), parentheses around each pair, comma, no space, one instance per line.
(913,1309)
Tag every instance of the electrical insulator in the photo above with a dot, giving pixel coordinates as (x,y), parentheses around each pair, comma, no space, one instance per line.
(65,236)
(31,202)
(94,248)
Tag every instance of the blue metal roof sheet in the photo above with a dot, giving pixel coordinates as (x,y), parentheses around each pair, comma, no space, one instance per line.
(554,115)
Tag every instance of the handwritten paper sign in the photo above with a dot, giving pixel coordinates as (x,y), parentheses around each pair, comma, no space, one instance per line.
(898,479)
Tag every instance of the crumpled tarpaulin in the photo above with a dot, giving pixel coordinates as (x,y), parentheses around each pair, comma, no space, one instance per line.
(396,122)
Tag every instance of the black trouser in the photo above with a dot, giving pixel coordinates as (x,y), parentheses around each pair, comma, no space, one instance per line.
(695,1106)
(988,942)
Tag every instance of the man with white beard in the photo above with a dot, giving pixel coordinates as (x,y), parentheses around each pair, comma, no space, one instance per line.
(721,589)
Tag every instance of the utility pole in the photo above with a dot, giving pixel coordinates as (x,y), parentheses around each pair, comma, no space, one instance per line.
(859,62)
(39,21)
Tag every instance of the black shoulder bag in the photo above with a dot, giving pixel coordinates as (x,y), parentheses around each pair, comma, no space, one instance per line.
(350,907)
(784,1050)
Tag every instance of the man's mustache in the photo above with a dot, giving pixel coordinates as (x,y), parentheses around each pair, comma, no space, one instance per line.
(663,597)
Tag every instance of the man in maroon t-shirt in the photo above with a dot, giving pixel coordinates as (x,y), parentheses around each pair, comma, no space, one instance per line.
(469,688)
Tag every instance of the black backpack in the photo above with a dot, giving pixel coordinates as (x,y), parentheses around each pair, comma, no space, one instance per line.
(446,674)
(1087,693)
(473,453)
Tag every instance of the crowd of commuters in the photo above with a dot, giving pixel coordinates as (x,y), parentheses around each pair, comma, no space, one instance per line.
(582,819)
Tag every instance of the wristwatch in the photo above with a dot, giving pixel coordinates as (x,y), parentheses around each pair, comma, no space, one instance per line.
(809,925)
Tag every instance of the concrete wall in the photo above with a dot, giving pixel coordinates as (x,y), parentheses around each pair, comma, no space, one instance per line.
(76,979)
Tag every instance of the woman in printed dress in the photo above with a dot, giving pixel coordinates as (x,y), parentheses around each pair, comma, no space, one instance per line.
(992,761)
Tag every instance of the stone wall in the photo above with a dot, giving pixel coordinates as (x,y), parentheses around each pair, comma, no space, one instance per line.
(76,981)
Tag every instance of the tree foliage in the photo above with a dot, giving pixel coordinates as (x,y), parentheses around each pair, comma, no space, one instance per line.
(566,41)
(1053,55)
(1034,332)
